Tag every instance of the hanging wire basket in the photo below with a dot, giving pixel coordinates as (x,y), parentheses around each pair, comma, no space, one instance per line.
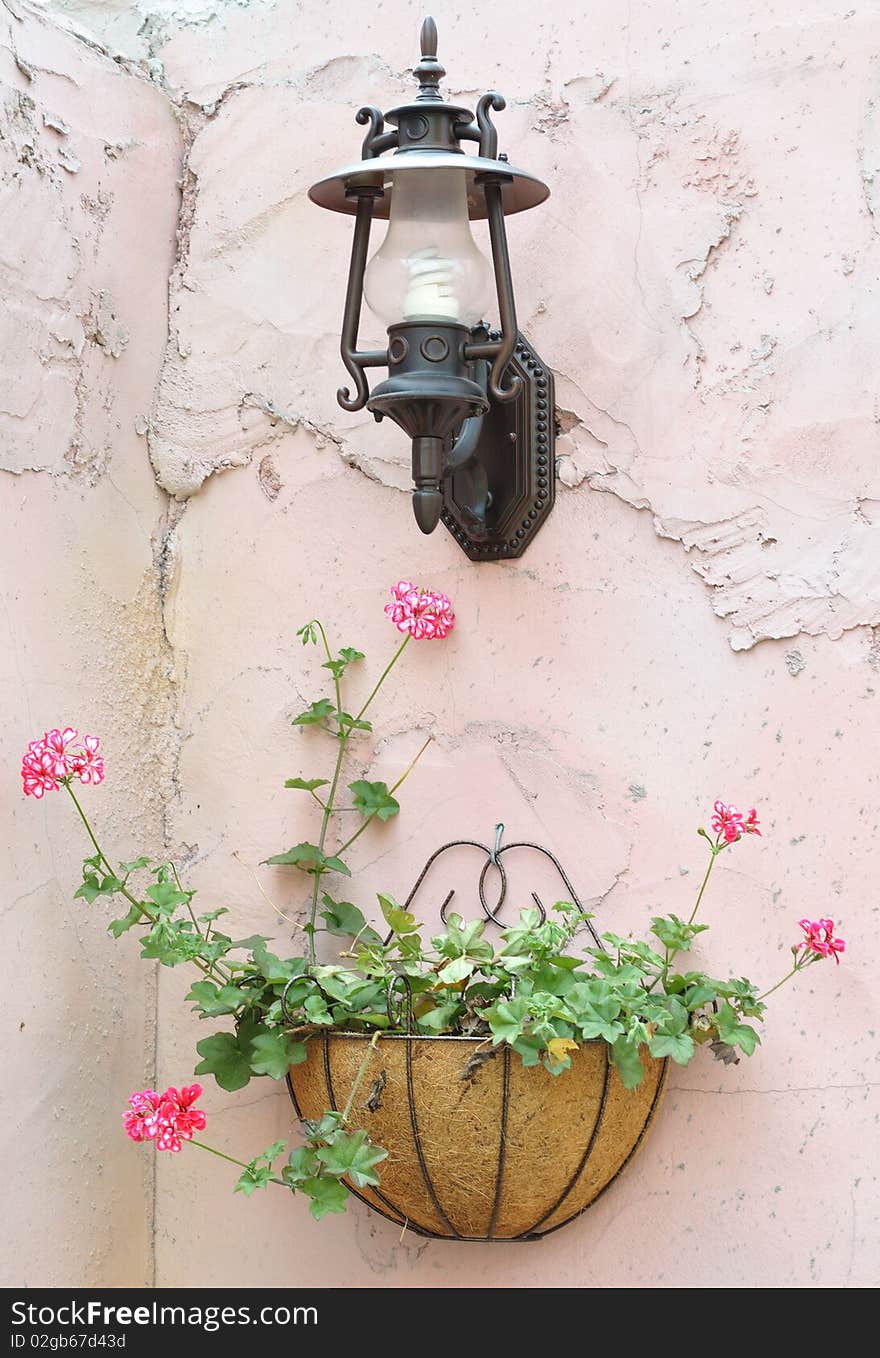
(480,1147)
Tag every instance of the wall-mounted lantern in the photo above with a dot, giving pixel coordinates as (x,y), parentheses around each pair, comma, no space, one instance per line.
(476,402)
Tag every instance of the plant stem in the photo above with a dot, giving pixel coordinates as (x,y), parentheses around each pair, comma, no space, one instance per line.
(669,957)
(372,815)
(188,904)
(82,815)
(714,854)
(362,1070)
(384,675)
(206,969)
(798,966)
(327,652)
(232,1160)
(343,737)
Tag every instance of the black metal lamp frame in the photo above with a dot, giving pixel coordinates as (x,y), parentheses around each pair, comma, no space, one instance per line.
(476,403)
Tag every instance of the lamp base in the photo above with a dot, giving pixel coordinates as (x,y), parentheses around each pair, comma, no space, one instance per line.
(509,474)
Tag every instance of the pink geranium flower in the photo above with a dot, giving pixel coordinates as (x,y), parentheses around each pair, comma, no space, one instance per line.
(86,763)
(38,771)
(820,938)
(169,1119)
(55,744)
(425,614)
(59,756)
(141,1117)
(727,822)
(751,824)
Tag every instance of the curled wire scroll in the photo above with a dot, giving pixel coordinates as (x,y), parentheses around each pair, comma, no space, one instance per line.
(494,860)
(400,1004)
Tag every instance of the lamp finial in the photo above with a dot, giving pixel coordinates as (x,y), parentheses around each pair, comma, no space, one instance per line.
(429,72)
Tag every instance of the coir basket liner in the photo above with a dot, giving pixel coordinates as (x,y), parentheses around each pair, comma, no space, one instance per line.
(480,1148)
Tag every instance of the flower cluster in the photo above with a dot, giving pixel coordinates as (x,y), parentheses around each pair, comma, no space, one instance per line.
(169,1119)
(425,614)
(730,824)
(820,940)
(60,755)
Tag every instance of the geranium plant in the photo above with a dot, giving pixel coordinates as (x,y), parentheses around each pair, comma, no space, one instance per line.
(543,987)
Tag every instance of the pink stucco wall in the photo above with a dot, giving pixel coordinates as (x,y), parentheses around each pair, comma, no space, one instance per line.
(697,618)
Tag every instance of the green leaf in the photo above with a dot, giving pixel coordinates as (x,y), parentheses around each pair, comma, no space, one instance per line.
(674,933)
(398,919)
(345,921)
(732,1032)
(110,886)
(225,1056)
(346,723)
(213,1001)
(303,1165)
(327,1195)
(254,1177)
(272,968)
(317,1011)
(625,1055)
(530,1049)
(315,713)
(90,889)
(352,1154)
(680,1047)
(347,656)
(308,633)
(117,927)
(309,858)
(306,784)
(506,1019)
(305,856)
(273,1053)
(134,866)
(210,915)
(459,969)
(374,799)
(166,897)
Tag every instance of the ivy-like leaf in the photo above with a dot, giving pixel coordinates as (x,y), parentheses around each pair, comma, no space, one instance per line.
(117,927)
(625,1055)
(459,969)
(272,1053)
(306,856)
(303,1164)
(315,713)
(336,865)
(374,799)
(347,723)
(166,897)
(347,656)
(345,921)
(254,1177)
(354,1155)
(135,865)
(680,1047)
(327,1195)
(306,784)
(213,1001)
(398,919)
(506,1019)
(224,1056)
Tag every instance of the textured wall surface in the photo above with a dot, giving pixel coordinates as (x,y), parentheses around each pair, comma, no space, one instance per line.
(183,492)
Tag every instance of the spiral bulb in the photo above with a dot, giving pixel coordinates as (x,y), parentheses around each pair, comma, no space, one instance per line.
(431,286)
